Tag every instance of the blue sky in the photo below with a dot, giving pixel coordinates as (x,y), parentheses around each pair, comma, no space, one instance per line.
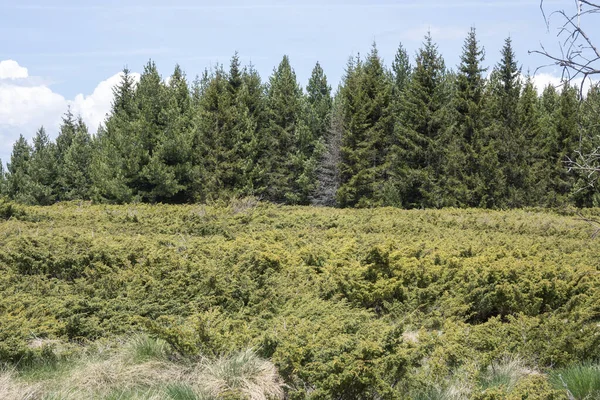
(59,52)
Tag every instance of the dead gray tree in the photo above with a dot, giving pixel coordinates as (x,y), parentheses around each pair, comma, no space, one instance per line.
(328,173)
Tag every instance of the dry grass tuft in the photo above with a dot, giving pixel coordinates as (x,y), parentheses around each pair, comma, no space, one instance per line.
(115,373)
(507,372)
(13,390)
(244,373)
(142,368)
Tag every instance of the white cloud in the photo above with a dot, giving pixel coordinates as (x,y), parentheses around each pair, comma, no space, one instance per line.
(26,103)
(542,80)
(10,69)
(93,108)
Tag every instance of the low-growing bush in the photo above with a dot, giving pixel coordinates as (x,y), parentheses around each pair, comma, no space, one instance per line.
(346,304)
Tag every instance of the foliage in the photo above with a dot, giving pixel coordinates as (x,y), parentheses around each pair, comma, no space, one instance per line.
(406,135)
(360,304)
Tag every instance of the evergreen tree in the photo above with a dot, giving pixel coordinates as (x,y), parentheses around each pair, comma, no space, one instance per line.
(416,159)
(123,94)
(2,180)
(328,170)
(401,70)
(215,121)
(18,182)
(319,100)
(151,183)
(562,146)
(66,134)
(75,172)
(462,143)
(400,75)
(503,130)
(587,189)
(117,149)
(529,125)
(234,142)
(168,170)
(368,124)
(43,169)
(285,135)
(235,77)
(251,145)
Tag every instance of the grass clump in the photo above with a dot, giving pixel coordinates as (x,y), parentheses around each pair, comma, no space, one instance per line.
(142,348)
(504,374)
(182,391)
(244,374)
(145,368)
(581,381)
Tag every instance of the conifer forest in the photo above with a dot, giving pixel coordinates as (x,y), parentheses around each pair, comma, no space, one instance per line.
(415,134)
(418,232)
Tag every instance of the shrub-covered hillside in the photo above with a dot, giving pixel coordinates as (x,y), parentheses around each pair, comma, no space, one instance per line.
(347,304)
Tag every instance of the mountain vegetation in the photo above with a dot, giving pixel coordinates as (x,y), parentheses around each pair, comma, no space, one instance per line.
(316,303)
(413,135)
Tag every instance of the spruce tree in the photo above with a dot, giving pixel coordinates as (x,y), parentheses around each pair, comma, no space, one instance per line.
(401,70)
(285,135)
(251,145)
(75,171)
(235,77)
(215,124)
(43,169)
(152,103)
(123,94)
(462,142)
(2,180)
(167,172)
(529,125)
(504,133)
(562,146)
(18,182)
(117,147)
(64,140)
(319,100)
(66,134)
(416,158)
(328,170)
(368,125)
(587,188)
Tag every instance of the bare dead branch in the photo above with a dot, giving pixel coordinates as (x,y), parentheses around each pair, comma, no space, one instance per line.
(593,222)
(578,55)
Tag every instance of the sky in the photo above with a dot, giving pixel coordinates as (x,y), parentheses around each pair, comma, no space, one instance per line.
(56,54)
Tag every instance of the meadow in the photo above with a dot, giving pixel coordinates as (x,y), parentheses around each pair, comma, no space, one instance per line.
(249,300)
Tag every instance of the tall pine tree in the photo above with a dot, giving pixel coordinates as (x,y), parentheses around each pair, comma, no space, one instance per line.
(462,143)
(18,182)
(117,147)
(368,124)
(43,169)
(416,158)
(503,129)
(75,170)
(285,135)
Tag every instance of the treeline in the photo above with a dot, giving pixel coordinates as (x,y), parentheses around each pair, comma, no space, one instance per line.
(413,135)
